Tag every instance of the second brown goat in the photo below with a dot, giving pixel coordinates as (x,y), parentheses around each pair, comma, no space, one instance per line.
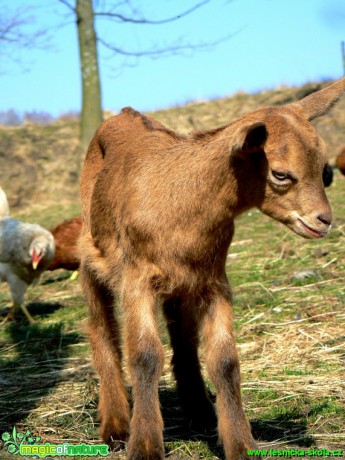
(340,161)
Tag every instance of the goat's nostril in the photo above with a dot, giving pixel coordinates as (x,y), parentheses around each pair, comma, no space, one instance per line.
(325,219)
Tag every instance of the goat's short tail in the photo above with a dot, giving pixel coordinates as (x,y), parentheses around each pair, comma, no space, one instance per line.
(92,165)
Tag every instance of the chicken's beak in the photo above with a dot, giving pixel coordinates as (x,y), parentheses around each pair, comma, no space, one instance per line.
(35,261)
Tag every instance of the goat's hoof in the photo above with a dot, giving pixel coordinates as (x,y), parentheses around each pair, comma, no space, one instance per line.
(116,445)
(199,414)
(203,420)
(239,448)
(136,453)
(248,445)
(115,438)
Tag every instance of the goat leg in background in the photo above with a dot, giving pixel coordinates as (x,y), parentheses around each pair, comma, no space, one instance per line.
(184,338)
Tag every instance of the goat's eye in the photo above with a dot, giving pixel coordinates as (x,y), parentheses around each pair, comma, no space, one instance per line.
(280,175)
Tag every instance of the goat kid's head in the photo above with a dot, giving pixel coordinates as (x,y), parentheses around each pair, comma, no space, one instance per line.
(281,154)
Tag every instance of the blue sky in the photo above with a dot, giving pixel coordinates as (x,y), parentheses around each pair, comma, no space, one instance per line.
(274,42)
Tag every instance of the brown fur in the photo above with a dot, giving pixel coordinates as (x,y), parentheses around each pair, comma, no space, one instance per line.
(159,213)
(340,161)
(66,235)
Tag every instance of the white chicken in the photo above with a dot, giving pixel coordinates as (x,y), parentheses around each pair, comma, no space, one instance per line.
(26,250)
(4,209)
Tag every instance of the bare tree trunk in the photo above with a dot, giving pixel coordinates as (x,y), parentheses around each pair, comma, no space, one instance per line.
(91,113)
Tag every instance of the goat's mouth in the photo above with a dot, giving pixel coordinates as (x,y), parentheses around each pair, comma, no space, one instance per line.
(303,229)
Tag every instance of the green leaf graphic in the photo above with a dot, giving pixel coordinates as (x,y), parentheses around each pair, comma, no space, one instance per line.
(6,436)
(8,442)
(12,449)
(13,445)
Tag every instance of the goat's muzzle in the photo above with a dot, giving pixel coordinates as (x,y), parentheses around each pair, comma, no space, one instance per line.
(312,228)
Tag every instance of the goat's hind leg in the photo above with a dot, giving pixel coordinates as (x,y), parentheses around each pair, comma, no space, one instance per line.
(184,338)
(105,341)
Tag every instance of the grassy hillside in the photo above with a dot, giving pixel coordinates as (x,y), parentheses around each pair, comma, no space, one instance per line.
(289,300)
(40,162)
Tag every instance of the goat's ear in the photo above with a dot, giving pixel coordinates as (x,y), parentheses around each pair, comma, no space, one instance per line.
(250,139)
(320,102)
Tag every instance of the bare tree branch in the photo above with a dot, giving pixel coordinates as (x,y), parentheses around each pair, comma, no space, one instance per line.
(168,50)
(85,13)
(69,6)
(16,33)
(123,18)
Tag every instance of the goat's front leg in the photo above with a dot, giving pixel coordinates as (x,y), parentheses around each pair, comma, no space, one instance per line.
(145,360)
(224,370)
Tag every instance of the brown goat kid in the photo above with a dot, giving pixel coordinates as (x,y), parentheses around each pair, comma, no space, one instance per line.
(159,212)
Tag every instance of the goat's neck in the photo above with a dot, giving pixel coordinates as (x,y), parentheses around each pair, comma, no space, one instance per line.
(214,180)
